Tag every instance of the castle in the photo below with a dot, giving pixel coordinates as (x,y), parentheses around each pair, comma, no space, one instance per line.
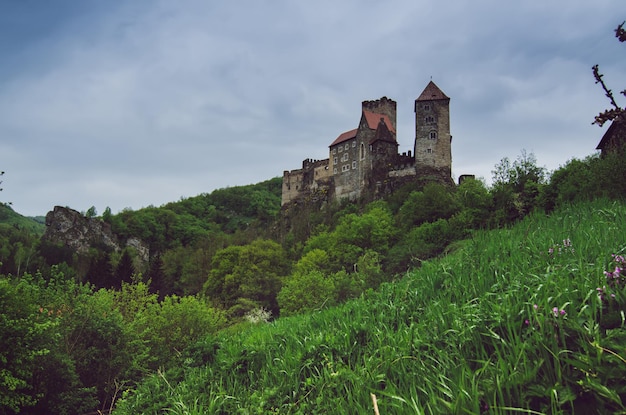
(365,163)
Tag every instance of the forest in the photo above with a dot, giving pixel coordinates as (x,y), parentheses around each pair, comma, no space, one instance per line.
(436,299)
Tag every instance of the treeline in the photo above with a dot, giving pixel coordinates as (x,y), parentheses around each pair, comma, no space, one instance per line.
(89,327)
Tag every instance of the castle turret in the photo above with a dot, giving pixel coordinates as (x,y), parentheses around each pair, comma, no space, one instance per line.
(433,142)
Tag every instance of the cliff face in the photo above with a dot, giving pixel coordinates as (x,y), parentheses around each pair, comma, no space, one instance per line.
(68,227)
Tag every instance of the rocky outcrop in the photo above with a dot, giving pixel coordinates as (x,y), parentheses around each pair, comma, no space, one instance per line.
(69,227)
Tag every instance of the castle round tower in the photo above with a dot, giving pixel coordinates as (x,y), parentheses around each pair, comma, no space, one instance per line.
(433,142)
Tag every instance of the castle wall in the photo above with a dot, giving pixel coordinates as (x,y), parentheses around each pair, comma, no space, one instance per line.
(301,182)
(345,168)
(292,185)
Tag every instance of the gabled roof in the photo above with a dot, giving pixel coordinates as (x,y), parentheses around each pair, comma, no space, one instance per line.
(432,93)
(348,135)
(612,136)
(373,119)
(383,133)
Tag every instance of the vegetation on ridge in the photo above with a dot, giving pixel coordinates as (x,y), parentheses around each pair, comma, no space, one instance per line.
(527,319)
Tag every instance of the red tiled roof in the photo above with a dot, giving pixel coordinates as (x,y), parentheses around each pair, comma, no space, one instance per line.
(431,93)
(344,137)
(383,134)
(373,119)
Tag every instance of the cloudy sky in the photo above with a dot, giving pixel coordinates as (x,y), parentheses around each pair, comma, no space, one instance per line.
(128,104)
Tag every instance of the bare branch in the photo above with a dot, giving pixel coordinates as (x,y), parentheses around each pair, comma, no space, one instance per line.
(607,91)
(620,32)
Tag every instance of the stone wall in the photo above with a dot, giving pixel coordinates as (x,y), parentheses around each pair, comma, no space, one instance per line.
(298,184)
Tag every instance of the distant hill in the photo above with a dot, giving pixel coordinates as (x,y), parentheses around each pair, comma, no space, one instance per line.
(8,216)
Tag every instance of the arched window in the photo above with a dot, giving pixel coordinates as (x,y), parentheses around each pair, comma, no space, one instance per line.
(433,135)
(362,151)
(429,119)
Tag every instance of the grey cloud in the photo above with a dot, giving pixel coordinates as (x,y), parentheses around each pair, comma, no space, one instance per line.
(139,103)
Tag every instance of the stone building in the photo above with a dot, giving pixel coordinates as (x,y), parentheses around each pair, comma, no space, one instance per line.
(364,162)
(614,139)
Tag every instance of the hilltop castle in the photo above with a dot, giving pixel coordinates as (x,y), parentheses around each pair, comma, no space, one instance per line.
(364,162)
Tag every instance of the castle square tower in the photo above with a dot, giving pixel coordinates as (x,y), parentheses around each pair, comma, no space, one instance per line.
(351,156)
(433,142)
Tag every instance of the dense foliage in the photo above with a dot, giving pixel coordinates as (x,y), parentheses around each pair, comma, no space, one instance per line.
(69,349)
(526,319)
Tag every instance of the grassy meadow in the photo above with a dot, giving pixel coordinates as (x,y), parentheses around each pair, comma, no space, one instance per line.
(527,319)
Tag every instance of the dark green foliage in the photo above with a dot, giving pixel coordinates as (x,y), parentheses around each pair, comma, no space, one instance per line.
(435,202)
(588,179)
(100,271)
(124,270)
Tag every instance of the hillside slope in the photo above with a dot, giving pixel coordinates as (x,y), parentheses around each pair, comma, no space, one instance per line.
(529,318)
(9,217)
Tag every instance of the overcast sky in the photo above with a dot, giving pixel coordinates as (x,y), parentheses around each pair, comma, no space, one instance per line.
(128,104)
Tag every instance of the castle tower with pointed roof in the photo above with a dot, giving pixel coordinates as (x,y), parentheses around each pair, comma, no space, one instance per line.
(433,142)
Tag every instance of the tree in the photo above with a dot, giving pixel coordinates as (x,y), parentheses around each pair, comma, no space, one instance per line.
(516,187)
(91,212)
(26,336)
(125,270)
(617,112)
(305,292)
(434,202)
(252,272)
(2,174)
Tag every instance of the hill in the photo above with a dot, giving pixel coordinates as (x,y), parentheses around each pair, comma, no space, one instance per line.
(528,318)
(9,217)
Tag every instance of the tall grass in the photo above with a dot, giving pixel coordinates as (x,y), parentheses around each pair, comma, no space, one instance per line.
(509,323)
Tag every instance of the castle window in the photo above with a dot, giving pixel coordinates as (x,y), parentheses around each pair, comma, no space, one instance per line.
(354,165)
(429,119)
(426,107)
(335,150)
(334,160)
(362,151)
(433,135)
(347,146)
(340,149)
(335,170)
(429,151)
(354,144)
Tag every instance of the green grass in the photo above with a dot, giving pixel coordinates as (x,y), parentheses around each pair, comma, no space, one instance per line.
(473,332)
